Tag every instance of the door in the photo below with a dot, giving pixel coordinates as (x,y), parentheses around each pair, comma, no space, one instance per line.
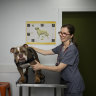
(85,25)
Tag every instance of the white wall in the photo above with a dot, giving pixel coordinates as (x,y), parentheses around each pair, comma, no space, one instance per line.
(14,14)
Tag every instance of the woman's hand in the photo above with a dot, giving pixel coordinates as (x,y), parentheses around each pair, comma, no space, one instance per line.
(37,66)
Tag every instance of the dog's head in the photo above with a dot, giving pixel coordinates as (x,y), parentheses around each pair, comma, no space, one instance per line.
(36,28)
(22,54)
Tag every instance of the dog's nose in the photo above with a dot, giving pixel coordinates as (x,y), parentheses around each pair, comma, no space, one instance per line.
(20,55)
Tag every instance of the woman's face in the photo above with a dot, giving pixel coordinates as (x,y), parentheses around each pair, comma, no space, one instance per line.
(65,35)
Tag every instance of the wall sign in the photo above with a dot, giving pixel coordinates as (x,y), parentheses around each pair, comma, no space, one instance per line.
(40,32)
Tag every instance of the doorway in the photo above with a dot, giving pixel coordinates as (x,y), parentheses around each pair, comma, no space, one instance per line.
(85,25)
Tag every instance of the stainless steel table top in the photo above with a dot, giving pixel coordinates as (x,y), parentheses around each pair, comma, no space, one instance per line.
(42,85)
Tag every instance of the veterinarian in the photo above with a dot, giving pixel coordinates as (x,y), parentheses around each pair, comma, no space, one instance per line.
(67,62)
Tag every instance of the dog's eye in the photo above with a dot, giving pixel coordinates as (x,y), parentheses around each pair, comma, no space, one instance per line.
(23,51)
(16,53)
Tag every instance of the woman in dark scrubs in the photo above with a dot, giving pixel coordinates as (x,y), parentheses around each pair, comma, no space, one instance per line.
(67,62)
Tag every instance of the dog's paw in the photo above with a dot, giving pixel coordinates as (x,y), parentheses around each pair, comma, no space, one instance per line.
(22,79)
(37,79)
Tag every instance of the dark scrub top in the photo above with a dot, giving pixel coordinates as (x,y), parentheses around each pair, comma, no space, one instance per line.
(70,75)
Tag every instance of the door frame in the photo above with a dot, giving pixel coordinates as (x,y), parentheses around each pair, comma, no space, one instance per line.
(61,10)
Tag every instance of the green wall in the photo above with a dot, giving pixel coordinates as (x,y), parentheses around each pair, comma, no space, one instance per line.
(85,36)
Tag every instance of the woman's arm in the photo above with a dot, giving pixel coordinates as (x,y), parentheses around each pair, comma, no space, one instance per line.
(58,68)
(44,52)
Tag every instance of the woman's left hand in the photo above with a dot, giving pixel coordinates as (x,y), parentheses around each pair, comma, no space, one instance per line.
(37,66)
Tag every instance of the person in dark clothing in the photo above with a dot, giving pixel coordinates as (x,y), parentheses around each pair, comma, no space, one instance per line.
(67,62)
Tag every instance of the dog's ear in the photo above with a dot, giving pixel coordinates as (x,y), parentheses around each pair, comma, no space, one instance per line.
(25,45)
(12,50)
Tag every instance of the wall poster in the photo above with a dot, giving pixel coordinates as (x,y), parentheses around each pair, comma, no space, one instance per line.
(40,32)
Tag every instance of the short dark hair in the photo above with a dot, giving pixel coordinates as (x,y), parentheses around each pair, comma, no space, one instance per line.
(70,28)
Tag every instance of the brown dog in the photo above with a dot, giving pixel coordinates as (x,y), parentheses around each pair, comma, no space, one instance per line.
(25,56)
